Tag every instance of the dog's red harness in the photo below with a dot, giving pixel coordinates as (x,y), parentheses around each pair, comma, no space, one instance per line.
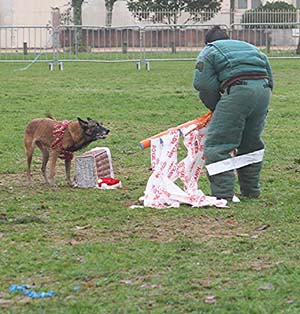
(59,131)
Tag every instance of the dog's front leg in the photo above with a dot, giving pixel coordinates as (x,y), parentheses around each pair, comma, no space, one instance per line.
(52,165)
(68,171)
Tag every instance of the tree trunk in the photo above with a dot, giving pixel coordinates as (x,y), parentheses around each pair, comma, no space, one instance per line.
(298,47)
(232,8)
(77,11)
(77,18)
(108,17)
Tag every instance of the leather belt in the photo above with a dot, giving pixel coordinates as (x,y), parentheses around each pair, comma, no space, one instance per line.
(236,80)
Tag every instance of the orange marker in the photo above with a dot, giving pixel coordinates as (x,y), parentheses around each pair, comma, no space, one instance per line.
(200,121)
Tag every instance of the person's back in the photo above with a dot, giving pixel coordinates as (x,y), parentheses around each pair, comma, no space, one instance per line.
(232,57)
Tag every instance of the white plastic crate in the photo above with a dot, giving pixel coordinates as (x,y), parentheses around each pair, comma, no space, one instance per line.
(92,166)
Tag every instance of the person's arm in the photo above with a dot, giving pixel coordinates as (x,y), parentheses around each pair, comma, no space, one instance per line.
(206,83)
(269,70)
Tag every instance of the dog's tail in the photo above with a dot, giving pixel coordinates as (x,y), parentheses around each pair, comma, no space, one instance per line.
(50,116)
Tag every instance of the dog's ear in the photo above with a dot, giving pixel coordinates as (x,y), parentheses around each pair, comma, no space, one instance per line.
(82,123)
(89,119)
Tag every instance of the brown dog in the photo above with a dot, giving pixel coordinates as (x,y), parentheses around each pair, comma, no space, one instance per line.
(59,139)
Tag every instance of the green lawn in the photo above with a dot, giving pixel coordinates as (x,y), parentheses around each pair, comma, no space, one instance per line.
(101,256)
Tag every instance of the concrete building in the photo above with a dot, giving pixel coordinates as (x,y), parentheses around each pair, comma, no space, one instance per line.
(252,4)
(37,12)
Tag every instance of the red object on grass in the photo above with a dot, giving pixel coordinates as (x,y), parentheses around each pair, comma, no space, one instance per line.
(109,182)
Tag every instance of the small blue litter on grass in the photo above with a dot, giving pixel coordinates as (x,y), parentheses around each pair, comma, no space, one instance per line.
(30,293)
(76,288)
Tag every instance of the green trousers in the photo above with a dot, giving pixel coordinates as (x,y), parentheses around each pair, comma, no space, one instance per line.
(237,123)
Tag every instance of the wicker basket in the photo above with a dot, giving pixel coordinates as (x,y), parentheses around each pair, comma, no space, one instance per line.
(93,165)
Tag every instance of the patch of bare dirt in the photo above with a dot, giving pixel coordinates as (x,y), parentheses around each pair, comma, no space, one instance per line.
(202,228)
(20,178)
(161,230)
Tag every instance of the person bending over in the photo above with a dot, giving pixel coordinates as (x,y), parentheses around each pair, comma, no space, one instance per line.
(234,80)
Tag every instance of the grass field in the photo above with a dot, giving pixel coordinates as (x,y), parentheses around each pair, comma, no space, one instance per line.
(101,256)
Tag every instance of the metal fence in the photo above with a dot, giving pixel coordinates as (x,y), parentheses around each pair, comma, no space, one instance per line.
(170,43)
(24,43)
(102,44)
(277,40)
(139,44)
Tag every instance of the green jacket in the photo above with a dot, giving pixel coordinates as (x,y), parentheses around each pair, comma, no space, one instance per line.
(223,59)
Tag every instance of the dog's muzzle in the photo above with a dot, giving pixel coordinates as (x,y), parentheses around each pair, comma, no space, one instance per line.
(103,134)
